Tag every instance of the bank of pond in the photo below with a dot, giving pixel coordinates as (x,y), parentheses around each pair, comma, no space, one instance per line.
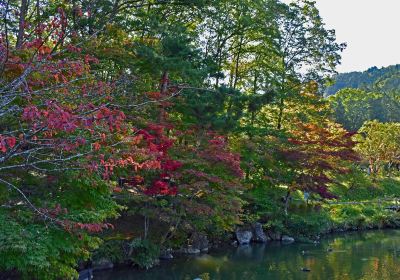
(351,255)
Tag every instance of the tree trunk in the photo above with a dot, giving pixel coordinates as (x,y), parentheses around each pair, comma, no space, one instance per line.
(21,28)
(280,115)
(237,63)
(287,200)
(146,227)
(163,94)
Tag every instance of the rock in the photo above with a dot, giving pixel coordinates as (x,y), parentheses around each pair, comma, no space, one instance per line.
(166,256)
(199,241)
(276,236)
(243,236)
(191,250)
(86,274)
(102,264)
(305,269)
(287,239)
(244,251)
(258,233)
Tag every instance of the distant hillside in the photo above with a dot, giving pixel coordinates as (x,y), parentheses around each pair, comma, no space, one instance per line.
(380,79)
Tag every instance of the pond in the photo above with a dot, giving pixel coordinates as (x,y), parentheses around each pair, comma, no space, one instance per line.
(368,255)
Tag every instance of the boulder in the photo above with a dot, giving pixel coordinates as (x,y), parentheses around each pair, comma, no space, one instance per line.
(191,250)
(276,236)
(166,256)
(244,236)
(102,264)
(86,274)
(199,241)
(287,239)
(258,233)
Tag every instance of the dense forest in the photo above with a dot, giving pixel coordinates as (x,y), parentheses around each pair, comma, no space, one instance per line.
(366,96)
(130,128)
(383,79)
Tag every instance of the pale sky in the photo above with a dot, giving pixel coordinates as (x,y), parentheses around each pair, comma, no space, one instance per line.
(371,29)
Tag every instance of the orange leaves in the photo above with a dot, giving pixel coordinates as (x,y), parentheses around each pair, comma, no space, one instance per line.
(315,152)
(96,146)
(117,190)
(154,95)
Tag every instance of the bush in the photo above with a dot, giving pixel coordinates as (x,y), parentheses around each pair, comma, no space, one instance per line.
(309,225)
(144,253)
(112,250)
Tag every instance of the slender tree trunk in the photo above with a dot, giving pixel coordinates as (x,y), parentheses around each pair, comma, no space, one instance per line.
(287,200)
(255,82)
(144,28)
(219,70)
(253,112)
(280,115)
(146,226)
(21,28)
(163,93)
(237,63)
(38,11)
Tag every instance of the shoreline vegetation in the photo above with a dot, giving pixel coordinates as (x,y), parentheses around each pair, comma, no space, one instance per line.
(305,224)
(133,129)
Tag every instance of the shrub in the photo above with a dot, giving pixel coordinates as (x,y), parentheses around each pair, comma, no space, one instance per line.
(144,253)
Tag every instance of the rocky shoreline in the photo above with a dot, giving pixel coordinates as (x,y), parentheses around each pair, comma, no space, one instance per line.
(200,244)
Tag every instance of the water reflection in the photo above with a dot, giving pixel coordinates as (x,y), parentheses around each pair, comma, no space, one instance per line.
(367,256)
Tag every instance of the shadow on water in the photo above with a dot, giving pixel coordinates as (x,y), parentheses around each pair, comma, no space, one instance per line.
(367,256)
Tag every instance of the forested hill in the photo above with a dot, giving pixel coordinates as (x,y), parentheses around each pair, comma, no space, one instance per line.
(383,79)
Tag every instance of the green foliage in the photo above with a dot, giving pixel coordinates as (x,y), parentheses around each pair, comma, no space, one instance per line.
(112,250)
(307,225)
(384,79)
(379,143)
(226,94)
(362,216)
(144,253)
(42,248)
(41,251)
(353,107)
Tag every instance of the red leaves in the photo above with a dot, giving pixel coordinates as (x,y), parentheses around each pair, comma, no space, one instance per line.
(30,113)
(202,175)
(11,141)
(218,152)
(114,118)
(7,142)
(171,165)
(159,144)
(60,118)
(161,188)
(93,227)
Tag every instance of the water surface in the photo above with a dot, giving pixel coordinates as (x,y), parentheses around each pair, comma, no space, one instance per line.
(351,256)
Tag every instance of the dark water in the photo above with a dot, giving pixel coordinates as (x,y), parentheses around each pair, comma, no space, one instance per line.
(354,256)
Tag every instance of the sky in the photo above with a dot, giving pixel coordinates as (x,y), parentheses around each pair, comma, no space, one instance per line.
(371,29)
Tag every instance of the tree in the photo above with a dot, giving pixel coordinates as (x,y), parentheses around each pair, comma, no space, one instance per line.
(62,135)
(305,50)
(379,144)
(353,107)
